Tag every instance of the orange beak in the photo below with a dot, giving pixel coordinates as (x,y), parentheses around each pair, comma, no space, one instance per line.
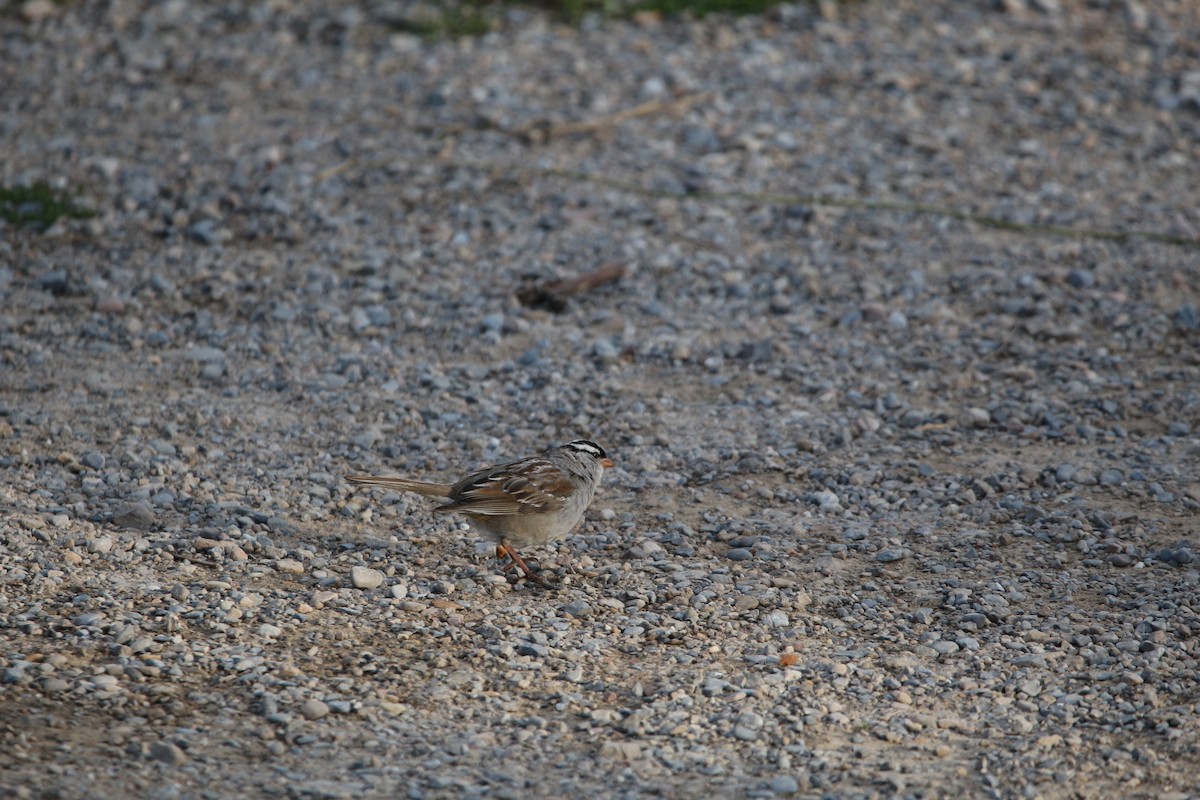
(607,463)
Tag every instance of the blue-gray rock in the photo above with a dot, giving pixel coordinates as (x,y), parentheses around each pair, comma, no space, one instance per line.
(313,709)
(138,515)
(578,608)
(15,675)
(532,649)
(783,785)
(55,281)
(605,350)
(701,139)
(776,619)
(206,355)
(1161,494)
(204,231)
(285,312)
(1187,318)
(167,753)
(1081,278)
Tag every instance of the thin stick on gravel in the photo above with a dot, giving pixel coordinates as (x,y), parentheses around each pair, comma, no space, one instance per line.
(554,295)
(540,131)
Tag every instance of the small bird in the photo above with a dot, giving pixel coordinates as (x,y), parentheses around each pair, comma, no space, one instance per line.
(526,502)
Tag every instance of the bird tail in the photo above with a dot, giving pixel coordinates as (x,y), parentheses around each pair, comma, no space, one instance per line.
(403,484)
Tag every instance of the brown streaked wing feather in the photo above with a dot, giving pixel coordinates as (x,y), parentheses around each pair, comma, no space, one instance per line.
(497,492)
(498,505)
(543,492)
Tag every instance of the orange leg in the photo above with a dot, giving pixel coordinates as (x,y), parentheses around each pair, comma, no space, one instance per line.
(504,549)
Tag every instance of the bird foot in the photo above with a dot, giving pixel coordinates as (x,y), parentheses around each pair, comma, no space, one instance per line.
(517,563)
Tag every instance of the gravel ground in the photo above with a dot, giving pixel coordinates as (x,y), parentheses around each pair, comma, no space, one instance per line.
(904,505)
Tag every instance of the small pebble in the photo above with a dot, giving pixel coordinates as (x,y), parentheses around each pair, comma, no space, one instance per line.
(313,709)
(137,516)
(975,418)
(776,619)
(783,785)
(167,753)
(1081,278)
(101,544)
(366,578)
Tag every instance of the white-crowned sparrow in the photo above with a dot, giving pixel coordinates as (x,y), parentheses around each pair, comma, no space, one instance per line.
(522,503)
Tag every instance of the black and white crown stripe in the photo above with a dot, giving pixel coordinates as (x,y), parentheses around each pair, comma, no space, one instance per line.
(591,448)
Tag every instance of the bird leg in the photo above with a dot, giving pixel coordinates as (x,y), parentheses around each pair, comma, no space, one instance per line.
(506,550)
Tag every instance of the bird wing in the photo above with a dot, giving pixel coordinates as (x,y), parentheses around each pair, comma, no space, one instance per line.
(499,492)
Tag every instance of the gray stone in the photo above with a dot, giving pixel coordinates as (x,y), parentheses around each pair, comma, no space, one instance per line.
(167,753)
(365,578)
(975,418)
(1081,278)
(313,709)
(532,649)
(783,785)
(55,685)
(776,619)
(206,355)
(1065,472)
(138,516)
(101,544)
(15,675)
(55,281)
